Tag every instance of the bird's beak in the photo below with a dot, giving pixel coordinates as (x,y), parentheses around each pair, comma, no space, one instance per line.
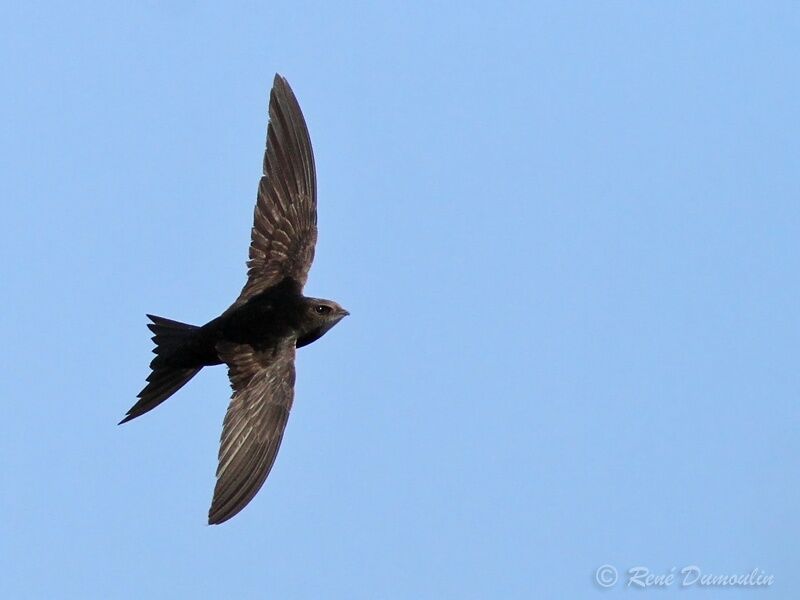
(344,313)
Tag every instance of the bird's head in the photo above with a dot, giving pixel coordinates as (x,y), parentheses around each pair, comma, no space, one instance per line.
(320,316)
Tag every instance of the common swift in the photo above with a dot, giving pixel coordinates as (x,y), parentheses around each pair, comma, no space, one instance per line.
(257,335)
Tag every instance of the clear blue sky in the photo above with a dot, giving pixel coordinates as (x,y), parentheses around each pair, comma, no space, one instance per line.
(568,237)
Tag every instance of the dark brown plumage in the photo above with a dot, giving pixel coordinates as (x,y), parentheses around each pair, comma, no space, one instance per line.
(256,337)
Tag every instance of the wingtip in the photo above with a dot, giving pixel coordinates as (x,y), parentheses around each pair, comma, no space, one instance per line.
(214,519)
(217,515)
(279,81)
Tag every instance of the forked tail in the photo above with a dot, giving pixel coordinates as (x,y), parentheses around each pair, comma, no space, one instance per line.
(168,374)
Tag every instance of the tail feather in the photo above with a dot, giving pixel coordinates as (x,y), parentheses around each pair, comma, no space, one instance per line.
(166,378)
(169,335)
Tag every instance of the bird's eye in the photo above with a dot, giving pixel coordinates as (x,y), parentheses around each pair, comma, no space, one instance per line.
(321,309)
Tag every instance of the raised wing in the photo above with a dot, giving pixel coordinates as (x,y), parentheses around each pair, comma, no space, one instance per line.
(263,390)
(285,222)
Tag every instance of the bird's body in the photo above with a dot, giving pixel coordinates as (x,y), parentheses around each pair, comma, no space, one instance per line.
(258,334)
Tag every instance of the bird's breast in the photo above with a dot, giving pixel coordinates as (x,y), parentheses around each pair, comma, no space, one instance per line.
(259,324)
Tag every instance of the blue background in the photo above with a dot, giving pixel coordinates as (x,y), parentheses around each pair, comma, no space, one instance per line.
(568,237)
